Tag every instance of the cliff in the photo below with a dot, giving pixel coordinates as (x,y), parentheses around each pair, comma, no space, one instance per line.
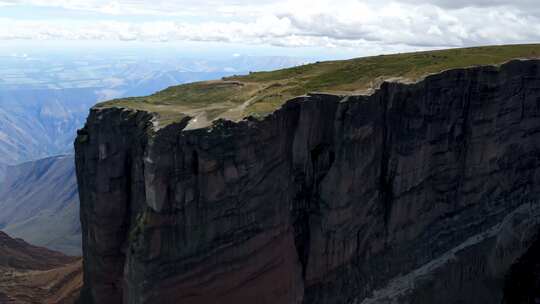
(417,193)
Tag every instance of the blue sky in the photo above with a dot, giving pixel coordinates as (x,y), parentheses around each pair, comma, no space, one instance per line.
(305,28)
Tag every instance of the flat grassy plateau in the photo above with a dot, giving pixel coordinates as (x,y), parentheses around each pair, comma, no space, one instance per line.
(260,93)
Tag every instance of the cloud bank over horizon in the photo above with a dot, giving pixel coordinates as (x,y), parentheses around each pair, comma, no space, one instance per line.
(370,24)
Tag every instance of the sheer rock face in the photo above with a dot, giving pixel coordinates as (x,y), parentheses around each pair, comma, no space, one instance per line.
(419,193)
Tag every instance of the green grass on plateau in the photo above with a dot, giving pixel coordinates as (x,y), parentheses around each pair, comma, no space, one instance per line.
(262,92)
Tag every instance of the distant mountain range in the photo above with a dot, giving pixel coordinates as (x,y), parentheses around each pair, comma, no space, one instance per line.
(39,203)
(41,122)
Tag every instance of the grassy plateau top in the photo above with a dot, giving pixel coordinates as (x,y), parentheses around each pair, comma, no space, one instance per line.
(261,93)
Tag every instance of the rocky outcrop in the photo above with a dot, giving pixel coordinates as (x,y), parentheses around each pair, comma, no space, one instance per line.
(418,193)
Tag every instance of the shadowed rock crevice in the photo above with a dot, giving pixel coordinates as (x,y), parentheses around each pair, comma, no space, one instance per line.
(522,282)
(307,202)
(195,163)
(386,175)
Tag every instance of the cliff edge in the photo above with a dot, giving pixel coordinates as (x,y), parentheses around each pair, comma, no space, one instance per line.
(417,193)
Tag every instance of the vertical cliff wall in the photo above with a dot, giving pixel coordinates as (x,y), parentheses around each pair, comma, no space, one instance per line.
(420,193)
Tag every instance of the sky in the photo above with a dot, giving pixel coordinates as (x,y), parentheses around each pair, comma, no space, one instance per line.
(308,28)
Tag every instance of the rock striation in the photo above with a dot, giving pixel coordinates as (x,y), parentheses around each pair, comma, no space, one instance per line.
(418,193)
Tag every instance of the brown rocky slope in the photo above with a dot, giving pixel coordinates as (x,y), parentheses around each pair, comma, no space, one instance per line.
(418,193)
(36,275)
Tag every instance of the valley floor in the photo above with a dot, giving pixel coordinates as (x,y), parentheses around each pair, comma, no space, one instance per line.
(55,286)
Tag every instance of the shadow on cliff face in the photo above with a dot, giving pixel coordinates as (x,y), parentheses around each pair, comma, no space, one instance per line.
(522,282)
(307,202)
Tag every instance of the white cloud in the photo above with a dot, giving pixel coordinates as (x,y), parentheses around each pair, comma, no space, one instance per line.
(479,3)
(325,23)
